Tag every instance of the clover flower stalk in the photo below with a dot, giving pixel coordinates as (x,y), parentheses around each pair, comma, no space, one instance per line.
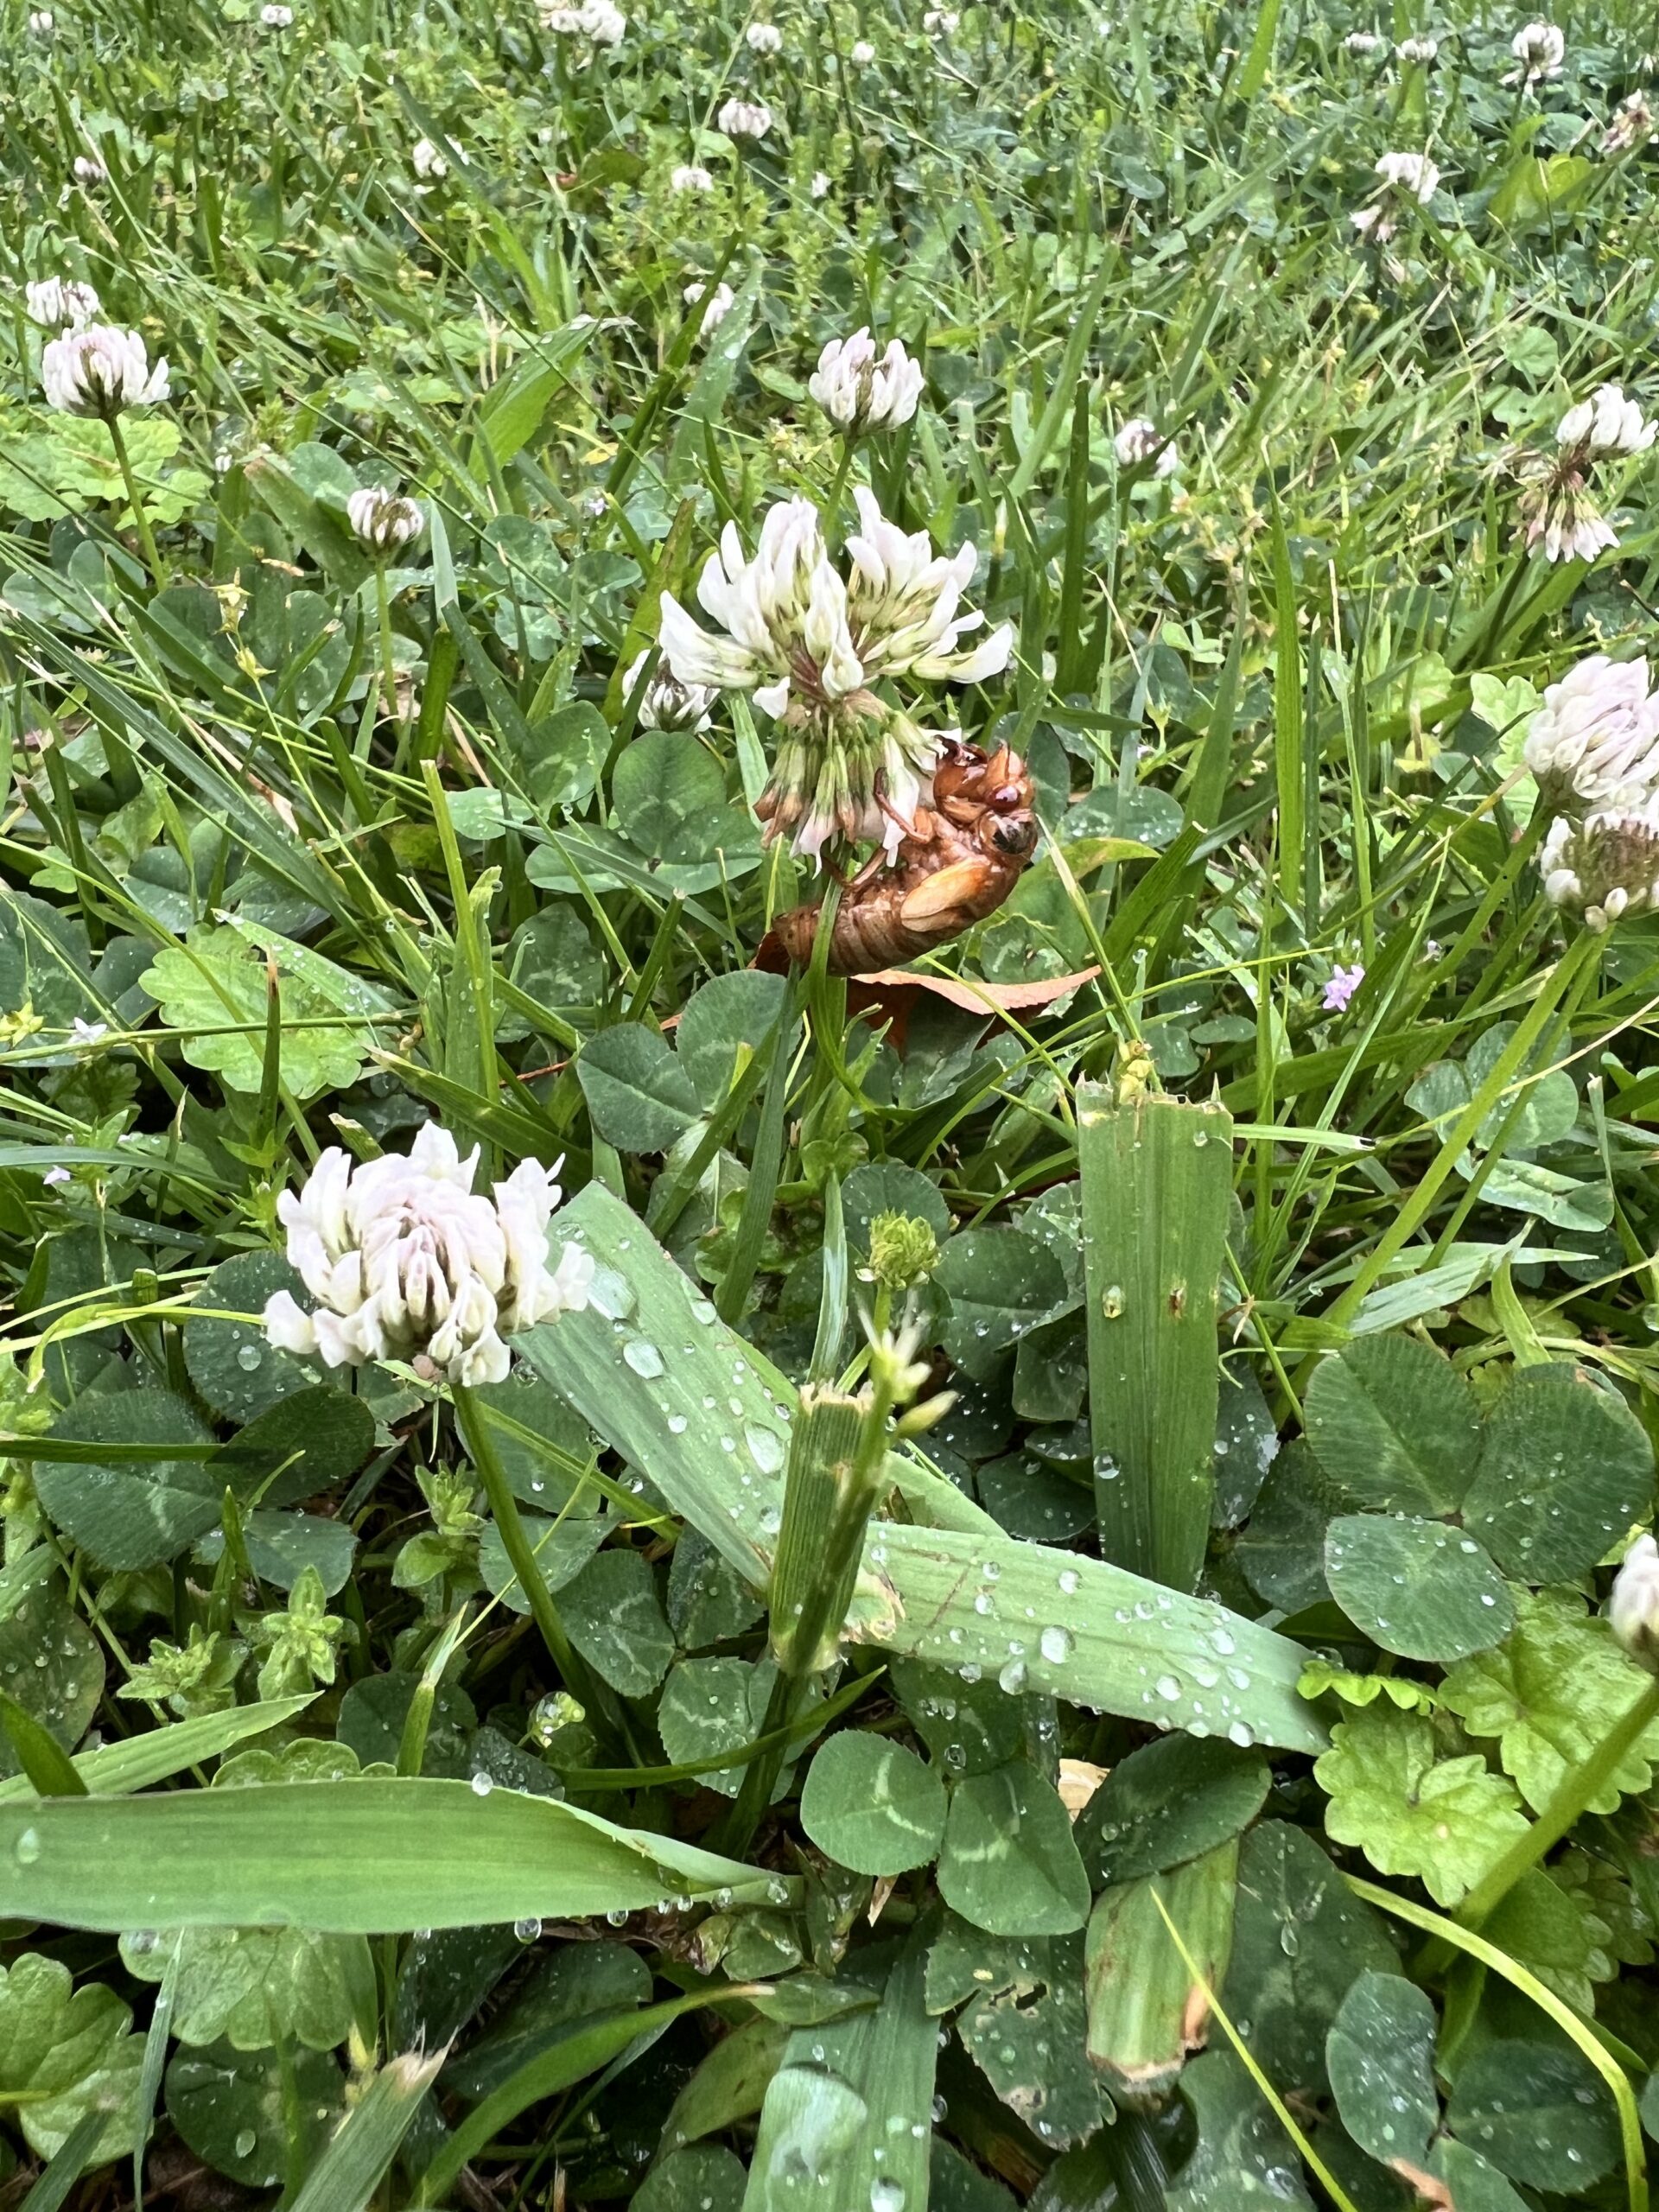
(384,524)
(406,1260)
(101,371)
(811,644)
(1561,519)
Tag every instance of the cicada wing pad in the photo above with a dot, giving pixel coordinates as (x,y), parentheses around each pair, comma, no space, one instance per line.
(947,891)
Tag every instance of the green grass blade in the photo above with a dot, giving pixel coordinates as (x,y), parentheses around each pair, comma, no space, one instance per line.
(1157,1183)
(354,1858)
(113,1769)
(347,2174)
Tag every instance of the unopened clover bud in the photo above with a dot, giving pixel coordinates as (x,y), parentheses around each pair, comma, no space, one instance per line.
(1634,1609)
(384,522)
(904,1251)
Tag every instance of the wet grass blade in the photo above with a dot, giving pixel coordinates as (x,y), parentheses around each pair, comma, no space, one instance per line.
(1157,1183)
(352,1858)
(1086,1631)
(349,2172)
(115,1769)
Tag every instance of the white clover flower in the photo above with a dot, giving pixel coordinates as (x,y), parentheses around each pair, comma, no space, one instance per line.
(720,305)
(1606,424)
(1633,121)
(861,54)
(692,176)
(275,16)
(88,169)
(1603,866)
(1405,178)
(940,22)
(384,522)
(59,304)
(41,22)
(427,161)
(822,184)
(667,704)
(1633,1608)
(1417,49)
(1539,48)
(763,38)
(599,21)
(1141,440)
(1595,740)
(1364,43)
(745,118)
(100,370)
(859,390)
(810,645)
(406,1261)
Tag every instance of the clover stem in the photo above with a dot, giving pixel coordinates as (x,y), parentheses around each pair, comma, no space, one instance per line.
(146,535)
(388,663)
(504,1508)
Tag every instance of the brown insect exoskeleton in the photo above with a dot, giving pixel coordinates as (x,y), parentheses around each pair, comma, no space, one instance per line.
(957,863)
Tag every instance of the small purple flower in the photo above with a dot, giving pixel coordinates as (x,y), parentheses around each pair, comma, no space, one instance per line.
(54,1176)
(1344,982)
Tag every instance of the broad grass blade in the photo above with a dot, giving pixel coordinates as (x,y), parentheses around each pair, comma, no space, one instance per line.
(115,1769)
(349,2171)
(1094,1634)
(1157,1183)
(351,1857)
(1146,2011)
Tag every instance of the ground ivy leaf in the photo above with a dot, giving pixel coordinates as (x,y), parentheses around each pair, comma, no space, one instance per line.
(213,989)
(1410,1812)
(870,1804)
(1550,1692)
(63,2053)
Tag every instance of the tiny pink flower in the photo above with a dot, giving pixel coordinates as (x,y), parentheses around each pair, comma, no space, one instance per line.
(1344,982)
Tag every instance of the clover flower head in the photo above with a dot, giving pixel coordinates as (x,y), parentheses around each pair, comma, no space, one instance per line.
(1632,122)
(1364,43)
(1594,743)
(690,176)
(427,160)
(99,370)
(1607,425)
(59,304)
(1406,179)
(1633,1609)
(384,522)
(811,643)
(275,16)
(88,169)
(406,1260)
(940,22)
(745,118)
(720,303)
(763,38)
(861,54)
(599,21)
(860,390)
(1417,49)
(41,22)
(1140,440)
(666,702)
(1539,48)
(1603,866)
